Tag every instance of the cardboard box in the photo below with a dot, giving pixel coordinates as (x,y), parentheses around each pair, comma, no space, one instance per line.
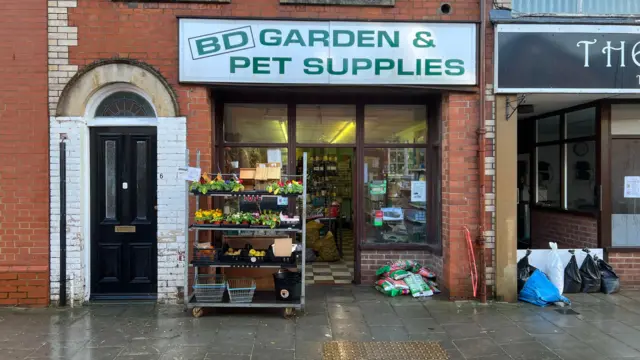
(247,173)
(282,246)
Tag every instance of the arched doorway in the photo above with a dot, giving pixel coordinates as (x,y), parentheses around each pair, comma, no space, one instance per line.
(123,163)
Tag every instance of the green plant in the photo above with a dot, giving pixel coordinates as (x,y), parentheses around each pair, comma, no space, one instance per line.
(270,219)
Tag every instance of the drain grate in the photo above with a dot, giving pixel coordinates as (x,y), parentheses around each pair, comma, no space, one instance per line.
(567,312)
(383,350)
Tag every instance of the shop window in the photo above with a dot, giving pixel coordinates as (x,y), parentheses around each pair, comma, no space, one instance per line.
(326,124)
(548,175)
(566,161)
(581,176)
(248,157)
(548,129)
(395,124)
(625,203)
(395,195)
(581,123)
(255,123)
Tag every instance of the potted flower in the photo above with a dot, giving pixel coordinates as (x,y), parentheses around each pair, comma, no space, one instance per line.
(200,217)
(235,219)
(217,217)
(269,219)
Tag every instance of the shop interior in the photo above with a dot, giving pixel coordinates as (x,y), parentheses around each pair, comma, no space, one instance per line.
(393,184)
(557,170)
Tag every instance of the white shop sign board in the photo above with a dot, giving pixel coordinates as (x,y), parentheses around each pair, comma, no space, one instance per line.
(540,257)
(326,52)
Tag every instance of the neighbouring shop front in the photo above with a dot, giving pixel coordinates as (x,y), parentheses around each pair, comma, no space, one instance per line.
(365,101)
(572,89)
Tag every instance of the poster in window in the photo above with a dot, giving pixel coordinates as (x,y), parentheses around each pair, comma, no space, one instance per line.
(418,191)
(632,186)
(377,187)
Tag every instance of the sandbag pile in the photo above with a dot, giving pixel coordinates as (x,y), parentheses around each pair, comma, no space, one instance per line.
(406,277)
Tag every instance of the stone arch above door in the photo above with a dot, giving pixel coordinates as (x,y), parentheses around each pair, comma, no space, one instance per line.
(81,88)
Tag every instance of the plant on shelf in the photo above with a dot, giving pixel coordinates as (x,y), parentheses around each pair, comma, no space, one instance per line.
(206,184)
(216,216)
(235,218)
(269,219)
(289,187)
(208,216)
(200,217)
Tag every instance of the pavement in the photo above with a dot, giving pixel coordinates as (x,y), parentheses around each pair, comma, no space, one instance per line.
(606,327)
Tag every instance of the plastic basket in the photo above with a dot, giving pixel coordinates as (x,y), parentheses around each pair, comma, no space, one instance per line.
(241,290)
(209,287)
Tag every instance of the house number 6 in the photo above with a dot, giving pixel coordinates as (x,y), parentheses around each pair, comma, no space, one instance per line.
(161,176)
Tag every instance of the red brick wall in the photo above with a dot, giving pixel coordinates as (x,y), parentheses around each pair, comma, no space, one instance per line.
(460,183)
(627,266)
(371,260)
(147,32)
(568,230)
(24,154)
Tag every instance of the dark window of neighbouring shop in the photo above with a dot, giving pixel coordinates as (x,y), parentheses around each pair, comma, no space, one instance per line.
(565,167)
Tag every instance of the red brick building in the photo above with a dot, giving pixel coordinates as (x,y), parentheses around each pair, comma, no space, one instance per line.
(116,98)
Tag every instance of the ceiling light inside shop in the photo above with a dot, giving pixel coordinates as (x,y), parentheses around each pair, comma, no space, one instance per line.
(342,132)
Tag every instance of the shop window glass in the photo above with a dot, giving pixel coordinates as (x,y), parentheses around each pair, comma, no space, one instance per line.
(625,205)
(581,123)
(395,124)
(325,124)
(548,175)
(548,129)
(395,196)
(255,123)
(236,158)
(581,176)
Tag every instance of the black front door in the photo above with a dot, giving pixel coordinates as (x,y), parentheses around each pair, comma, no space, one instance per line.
(123,212)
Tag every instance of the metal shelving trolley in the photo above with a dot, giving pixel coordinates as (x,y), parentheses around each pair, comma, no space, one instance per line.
(214,290)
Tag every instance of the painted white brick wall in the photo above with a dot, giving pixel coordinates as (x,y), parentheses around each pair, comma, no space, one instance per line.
(171,155)
(72,129)
(172,147)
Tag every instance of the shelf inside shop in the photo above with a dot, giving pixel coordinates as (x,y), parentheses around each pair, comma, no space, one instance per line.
(206,227)
(243,193)
(222,264)
(261,299)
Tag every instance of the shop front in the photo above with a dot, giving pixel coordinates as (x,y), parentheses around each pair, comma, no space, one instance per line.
(572,91)
(367,102)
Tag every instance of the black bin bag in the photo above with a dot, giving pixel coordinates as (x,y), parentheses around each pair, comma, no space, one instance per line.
(524,270)
(591,278)
(572,278)
(610,280)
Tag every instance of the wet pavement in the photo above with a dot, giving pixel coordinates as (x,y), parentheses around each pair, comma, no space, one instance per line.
(607,327)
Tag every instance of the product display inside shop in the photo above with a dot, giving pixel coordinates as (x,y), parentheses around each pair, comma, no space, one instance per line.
(395,195)
(249,246)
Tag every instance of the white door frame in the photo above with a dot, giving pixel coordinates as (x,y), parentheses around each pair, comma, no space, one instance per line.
(90,122)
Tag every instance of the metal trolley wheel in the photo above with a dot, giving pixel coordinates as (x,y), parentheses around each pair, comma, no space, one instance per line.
(197,312)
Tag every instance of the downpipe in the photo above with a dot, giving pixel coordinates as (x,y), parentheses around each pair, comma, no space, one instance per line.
(482,131)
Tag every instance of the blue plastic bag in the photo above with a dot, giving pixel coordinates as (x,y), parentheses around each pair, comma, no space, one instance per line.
(538,290)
